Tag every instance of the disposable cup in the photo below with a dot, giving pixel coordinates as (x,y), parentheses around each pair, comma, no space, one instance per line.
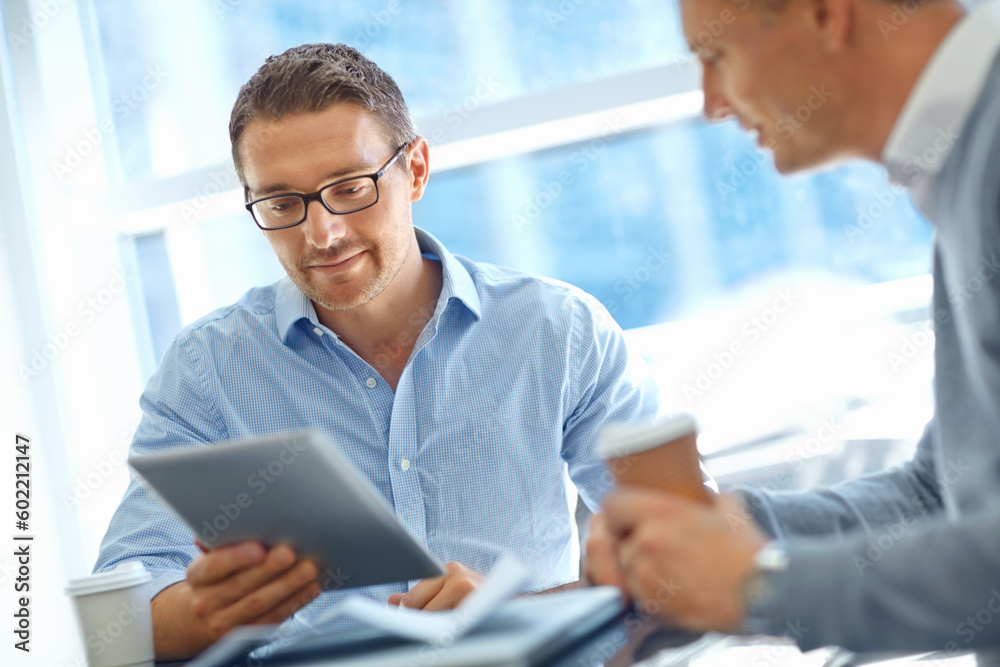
(114,617)
(661,456)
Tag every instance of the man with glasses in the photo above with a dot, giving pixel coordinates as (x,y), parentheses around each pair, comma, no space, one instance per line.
(909,558)
(461,390)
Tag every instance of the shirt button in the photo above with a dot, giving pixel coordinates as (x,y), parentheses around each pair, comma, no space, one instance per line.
(370,383)
(405,464)
(318,331)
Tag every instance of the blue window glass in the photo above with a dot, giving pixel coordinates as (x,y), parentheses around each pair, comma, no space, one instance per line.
(657,224)
(440,52)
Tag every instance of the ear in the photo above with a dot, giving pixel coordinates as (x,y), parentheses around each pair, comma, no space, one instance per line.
(833,21)
(418,156)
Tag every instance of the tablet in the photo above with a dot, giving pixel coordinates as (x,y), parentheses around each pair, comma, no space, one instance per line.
(296,489)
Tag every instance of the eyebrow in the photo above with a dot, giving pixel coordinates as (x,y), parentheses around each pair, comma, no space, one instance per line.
(332,176)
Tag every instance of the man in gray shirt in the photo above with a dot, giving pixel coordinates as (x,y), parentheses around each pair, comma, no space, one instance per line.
(907,559)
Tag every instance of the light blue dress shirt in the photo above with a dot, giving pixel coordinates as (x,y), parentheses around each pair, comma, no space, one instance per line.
(507,385)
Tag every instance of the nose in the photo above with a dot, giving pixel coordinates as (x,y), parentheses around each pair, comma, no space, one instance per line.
(322,228)
(717,107)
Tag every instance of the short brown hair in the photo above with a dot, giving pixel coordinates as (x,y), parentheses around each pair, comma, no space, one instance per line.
(313,77)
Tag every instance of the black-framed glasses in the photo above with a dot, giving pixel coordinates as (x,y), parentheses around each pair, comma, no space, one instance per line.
(340,198)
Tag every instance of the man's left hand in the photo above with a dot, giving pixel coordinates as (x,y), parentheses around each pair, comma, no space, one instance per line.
(440,593)
(691,559)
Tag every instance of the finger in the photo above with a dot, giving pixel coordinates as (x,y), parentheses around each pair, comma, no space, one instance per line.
(201,545)
(268,597)
(625,508)
(628,556)
(298,599)
(395,599)
(601,563)
(647,559)
(635,582)
(208,599)
(220,563)
(422,593)
(455,589)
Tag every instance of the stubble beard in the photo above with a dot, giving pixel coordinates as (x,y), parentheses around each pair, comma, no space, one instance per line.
(337,298)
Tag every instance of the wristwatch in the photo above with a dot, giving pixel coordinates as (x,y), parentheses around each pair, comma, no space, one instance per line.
(762,609)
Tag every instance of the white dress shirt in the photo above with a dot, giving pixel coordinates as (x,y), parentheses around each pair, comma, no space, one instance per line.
(942,99)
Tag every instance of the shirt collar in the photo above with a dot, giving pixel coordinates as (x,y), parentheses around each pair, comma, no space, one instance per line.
(456,281)
(944,96)
(291,305)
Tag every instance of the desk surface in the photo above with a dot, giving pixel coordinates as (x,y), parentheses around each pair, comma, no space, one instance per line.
(633,639)
(641,641)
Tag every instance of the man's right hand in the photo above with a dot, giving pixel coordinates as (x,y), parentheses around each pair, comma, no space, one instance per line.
(240,584)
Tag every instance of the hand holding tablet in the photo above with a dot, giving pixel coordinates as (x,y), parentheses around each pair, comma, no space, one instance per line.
(295,489)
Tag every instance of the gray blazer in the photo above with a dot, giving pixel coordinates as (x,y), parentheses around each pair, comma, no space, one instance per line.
(909,559)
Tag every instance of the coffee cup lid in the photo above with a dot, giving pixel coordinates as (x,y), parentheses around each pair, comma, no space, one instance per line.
(617,440)
(125,575)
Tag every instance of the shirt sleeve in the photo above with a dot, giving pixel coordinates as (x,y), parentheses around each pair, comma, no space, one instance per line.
(866,504)
(611,385)
(177,412)
(911,586)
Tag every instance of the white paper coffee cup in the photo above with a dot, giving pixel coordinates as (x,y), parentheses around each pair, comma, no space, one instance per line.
(114,617)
